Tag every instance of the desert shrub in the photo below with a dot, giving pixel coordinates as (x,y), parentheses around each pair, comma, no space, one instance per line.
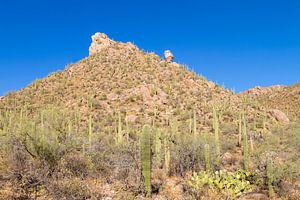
(186,155)
(77,163)
(70,189)
(26,176)
(118,163)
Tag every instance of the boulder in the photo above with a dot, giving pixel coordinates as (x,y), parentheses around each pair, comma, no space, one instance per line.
(279,116)
(228,159)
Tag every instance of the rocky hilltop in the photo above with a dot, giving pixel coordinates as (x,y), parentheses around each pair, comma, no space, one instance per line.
(120,77)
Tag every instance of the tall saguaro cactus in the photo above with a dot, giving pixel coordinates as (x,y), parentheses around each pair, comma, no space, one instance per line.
(146,158)
(246,156)
(167,152)
(240,130)
(270,177)
(216,128)
(119,129)
(158,147)
(90,125)
(194,122)
(207,158)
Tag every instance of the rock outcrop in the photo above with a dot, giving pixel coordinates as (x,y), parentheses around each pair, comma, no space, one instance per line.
(99,42)
(258,91)
(168,56)
(279,116)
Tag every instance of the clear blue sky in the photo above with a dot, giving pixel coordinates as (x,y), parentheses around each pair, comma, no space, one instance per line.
(238,43)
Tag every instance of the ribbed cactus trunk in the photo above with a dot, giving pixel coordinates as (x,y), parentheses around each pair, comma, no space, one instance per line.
(245,145)
(270,178)
(207,157)
(158,147)
(217,136)
(119,130)
(167,153)
(90,124)
(240,122)
(194,123)
(146,158)
(264,123)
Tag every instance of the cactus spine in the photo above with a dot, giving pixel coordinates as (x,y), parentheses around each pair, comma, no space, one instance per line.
(217,136)
(146,159)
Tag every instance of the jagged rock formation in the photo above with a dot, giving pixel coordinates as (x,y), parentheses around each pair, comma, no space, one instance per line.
(99,42)
(168,56)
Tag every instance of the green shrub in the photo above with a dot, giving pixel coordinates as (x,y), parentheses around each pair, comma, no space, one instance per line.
(230,184)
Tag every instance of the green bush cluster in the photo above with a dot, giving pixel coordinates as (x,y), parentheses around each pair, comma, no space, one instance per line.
(230,184)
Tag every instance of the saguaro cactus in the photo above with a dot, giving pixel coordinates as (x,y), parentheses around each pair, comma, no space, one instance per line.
(119,130)
(146,158)
(217,136)
(240,122)
(270,177)
(90,125)
(207,157)
(158,147)
(167,153)
(194,122)
(245,145)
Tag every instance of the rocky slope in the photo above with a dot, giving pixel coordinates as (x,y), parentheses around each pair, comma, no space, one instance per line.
(120,77)
(284,98)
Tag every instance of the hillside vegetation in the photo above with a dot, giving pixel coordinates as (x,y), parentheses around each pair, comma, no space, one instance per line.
(125,124)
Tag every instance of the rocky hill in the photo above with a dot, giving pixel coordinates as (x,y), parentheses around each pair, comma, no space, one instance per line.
(125,124)
(120,77)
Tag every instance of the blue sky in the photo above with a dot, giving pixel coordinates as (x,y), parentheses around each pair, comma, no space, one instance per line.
(237,43)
